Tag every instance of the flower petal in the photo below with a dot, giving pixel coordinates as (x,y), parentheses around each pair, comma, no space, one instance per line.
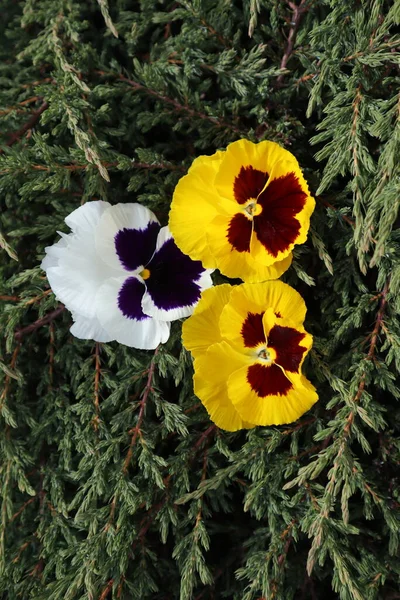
(239,264)
(89,329)
(290,344)
(54,252)
(241,320)
(86,218)
(285,216)
(118,308)
(201,330)
(174,282)
(212,370)
(264,396)
(246,167)
(194,205)
(75,272)
(126,236)
(255,299)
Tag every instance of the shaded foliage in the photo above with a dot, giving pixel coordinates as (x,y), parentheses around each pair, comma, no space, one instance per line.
(114,483)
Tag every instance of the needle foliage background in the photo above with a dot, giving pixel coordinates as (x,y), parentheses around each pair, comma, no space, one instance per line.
(114,483)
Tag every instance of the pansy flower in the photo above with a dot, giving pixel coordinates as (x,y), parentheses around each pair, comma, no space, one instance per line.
(242,210)
(122,276)
(249,345)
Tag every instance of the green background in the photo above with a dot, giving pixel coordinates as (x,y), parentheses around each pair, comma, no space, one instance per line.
(114,483)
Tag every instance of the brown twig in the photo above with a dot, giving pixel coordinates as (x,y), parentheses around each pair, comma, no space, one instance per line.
(23,507)
(210,431)
(23,103)
(136,430)
(73,168)
(39,323)
(28,125)
(215,33)
(36,298)
(20,551)
(8,378)
(287,533)
(97,374)
(329,205)
(174,103)
(51,355)
(372,348)
(297,15)
(106,590)
(9,298)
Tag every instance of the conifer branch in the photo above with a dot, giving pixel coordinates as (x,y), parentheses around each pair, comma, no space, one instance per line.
(39,323)
(16,107)
(145,395)
(96,418)
(297,15)
(28,125)
(51,355)
(108,165)
(7,381)
(329,205)
(208,432)
(23,507)
(106,590)
(174,103)
(331,490)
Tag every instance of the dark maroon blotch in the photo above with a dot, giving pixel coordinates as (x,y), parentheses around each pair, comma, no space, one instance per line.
(248,184)
(239,232)
(276,226)
(268,381)
(286,343)
(252,330)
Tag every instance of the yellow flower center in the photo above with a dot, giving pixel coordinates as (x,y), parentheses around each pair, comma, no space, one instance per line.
(145,274)
(267,355)
(252,209)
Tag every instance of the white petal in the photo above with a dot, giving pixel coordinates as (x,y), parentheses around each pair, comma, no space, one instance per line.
(89,329)
(163,236)
(205,280)
(118,217)
(87,217)
(75,272)
(145,334)
(53,254)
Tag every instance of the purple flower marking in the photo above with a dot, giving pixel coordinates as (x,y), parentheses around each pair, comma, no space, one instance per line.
(135,247)
(173,276)
(130,299)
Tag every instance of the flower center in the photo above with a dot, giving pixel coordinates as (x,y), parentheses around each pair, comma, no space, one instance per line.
(267,355)
(252,209)
(145,274)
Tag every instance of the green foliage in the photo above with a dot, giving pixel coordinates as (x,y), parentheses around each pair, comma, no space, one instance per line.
(114,483)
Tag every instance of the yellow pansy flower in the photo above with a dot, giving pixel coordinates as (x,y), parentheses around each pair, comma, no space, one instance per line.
(242,210)
(249,344)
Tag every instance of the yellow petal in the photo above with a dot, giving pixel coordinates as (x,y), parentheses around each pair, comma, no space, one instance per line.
(212,370)
(242,153)
(256,298)
(201,330)
(193,207)
(269,320)
(271,409)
